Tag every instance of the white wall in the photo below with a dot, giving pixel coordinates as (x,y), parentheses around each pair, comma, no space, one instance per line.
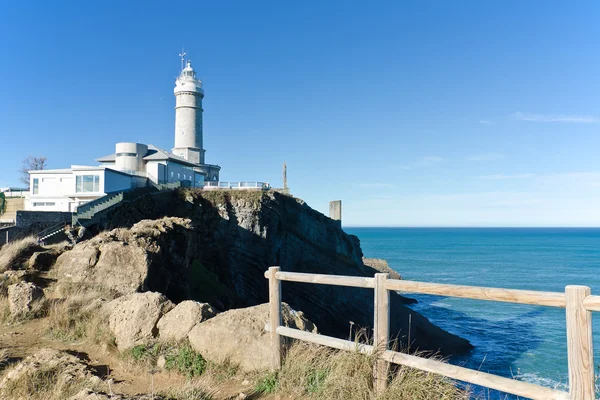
(58,192)
(53,190)
(154,171)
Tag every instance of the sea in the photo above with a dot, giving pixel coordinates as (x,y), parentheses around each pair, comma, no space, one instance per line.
(519,341)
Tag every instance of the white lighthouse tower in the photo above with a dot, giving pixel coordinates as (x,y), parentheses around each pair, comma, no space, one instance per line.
(188,116)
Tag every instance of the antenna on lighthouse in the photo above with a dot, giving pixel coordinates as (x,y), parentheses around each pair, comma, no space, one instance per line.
(182,55)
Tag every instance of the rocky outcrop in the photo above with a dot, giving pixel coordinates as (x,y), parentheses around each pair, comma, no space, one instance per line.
(22,297)
(240,337)
(177,323)
(128,260)
(133,318)
(381,265)
(88,394)
(58,369)
(214,247)
(43,260)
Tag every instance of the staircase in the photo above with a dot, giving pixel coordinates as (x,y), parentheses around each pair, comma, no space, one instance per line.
(86,212)
(51,231)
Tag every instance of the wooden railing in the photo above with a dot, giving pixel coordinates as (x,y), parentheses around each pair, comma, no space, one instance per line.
(577,301)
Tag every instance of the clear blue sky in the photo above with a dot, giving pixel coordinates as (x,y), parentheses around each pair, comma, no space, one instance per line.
(420,113)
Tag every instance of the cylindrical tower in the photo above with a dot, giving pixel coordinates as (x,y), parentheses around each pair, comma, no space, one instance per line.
(188,116)
(130,156)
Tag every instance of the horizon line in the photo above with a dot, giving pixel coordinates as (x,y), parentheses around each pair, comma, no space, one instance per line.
(470,227)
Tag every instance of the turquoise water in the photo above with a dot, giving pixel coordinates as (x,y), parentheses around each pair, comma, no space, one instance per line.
(510,340)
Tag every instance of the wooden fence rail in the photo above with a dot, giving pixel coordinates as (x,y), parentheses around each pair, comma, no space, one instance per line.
(577,301)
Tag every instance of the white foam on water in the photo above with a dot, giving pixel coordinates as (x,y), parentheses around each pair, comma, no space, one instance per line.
(440,304)
(542,381)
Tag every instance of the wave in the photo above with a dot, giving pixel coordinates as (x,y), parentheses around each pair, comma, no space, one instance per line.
(542,381)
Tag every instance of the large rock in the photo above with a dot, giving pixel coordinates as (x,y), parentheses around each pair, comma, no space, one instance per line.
(215,246)
(381,266)
(177,323)
(240,336)
(126,260)
(88,394)
(43,260)
(22,297)
(61,371)
(133,318)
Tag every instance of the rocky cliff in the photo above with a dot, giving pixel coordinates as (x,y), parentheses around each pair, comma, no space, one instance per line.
(215,246)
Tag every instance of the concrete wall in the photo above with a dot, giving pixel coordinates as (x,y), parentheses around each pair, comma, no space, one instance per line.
(335,210)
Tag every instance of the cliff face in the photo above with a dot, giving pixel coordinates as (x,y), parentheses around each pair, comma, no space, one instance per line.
(216,246)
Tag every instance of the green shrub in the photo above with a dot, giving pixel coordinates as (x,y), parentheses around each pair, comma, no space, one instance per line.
(268,384)
(186,361)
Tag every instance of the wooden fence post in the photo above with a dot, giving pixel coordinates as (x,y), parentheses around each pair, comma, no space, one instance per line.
(275,318)
(381,324)
(579,344)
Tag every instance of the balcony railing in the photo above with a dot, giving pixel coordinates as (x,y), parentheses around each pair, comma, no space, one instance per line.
(237,185)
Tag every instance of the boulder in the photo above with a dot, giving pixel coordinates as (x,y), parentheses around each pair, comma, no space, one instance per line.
(88,394)
(177,323)
(133,318)
(381,265)
(61,370)
(22,296)
(43,260)
(11,277)
(240,336)
(126,260)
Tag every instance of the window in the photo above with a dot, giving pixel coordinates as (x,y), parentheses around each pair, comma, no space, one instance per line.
(126,155)
(87,183)
(171,174)
(41,204)
(36,185)
(178,175)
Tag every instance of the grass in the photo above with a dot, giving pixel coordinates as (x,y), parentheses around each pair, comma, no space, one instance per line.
(316,372)
(14,255)
(179,357)
(186,361)
(44,383)
(78,315)
(189,391)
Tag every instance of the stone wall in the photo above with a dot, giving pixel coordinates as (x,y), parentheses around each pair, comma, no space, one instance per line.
(26,219)
(33,222)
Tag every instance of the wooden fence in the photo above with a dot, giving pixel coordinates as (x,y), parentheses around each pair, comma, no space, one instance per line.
(577,301)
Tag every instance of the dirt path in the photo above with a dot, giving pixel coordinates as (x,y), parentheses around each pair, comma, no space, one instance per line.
(22,340)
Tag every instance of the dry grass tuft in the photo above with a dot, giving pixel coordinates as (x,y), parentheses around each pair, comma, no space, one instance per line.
(46,383)
(78,314)
(191,390)
(3,358)
(311,371)
(14,255)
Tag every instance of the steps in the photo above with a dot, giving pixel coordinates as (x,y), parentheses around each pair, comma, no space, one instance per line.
(86,212)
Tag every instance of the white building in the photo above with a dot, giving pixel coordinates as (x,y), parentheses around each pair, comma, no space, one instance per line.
(133,164)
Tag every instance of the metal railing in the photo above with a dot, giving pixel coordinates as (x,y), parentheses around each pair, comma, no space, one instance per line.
(237,185)
(577,300)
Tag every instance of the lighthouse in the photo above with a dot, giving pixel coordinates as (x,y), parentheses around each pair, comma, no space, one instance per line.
(188,116)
